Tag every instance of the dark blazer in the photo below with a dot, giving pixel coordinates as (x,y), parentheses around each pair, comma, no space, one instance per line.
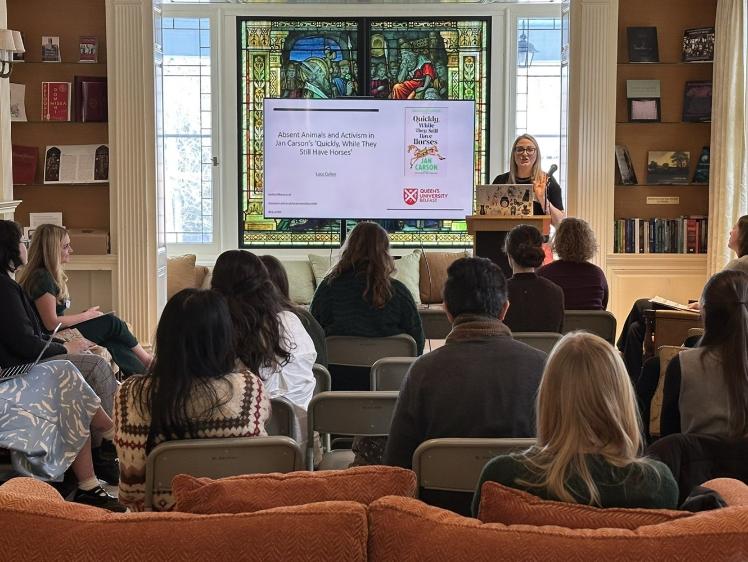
(21,335)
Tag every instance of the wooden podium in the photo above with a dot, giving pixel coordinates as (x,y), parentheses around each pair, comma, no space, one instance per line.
(489,232)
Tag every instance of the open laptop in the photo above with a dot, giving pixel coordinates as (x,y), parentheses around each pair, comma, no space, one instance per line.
(504,200)
(17,370)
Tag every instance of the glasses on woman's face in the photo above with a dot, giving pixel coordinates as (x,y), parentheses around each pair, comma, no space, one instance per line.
(26,242)
(529,150)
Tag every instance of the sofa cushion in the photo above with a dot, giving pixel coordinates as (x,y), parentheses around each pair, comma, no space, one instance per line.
(180,274)
(321,265)
(35,526)
(201,274)
(407,529)
(254,492)
(300,280)
(501,504)
(433,274)
(407,271)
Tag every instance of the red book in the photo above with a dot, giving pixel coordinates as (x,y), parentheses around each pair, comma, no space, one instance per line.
(90,98)
(691,235)
(56,101)
(24,164)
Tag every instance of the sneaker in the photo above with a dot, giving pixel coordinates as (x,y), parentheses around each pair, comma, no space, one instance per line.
(98,497)
(106,469)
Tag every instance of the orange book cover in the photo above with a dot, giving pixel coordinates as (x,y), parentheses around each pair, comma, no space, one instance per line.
(56,98)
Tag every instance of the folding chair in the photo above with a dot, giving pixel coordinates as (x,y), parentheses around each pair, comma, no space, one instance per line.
(544,341)
(434,321)
(356,351)
(388,373)
(598,322)
(282,418)
(363,413)
(666,354)
(322,378)
(218,458)
(455,464)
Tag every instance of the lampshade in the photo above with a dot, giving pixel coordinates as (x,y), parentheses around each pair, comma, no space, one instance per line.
(18,42)
(6,40)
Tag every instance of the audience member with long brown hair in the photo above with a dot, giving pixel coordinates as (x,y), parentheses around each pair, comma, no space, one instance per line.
(589,436)
(706,388)
(359,298)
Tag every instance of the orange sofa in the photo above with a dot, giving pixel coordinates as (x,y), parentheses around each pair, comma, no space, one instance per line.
(35,522)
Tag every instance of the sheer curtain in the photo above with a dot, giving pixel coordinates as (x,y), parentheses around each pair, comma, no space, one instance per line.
(728,195)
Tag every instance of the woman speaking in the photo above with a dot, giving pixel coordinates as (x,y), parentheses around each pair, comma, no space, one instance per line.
(525,168)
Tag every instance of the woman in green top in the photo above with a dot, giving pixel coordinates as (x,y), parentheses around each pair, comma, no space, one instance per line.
(45,282)
(589,436)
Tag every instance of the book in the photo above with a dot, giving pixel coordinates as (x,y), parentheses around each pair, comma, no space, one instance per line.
(643,44)
(51,49)
(56,97)
(24,159)
(697,101)
(701,174)
(668,167)
(625,174)
(671,304)
(90,98)
(18,102)
(88,49)
(81,163)
(698,44)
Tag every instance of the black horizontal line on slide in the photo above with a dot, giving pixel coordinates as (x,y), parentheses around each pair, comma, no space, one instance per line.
(320,109)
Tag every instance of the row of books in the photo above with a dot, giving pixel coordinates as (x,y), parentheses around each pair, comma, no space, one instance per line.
(685,235)
(57,100)
(88,49)
(664,167)
(698,44)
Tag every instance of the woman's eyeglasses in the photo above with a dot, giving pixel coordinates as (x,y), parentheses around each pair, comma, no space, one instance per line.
(26,242)
(530,150)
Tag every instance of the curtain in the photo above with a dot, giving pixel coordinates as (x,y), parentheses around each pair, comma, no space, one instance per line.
(728,194)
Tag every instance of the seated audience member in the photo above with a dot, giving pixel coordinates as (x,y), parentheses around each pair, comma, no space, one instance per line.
(583,283)
(706,388)
(535,304)
(589,436)
(269,339)
(45,282)
(196,389)
(22,340)
(358,298)
(481,383)
(280,279)
(631,341)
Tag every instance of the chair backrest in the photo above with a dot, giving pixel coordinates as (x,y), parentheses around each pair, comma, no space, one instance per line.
(282,418)
(455,464)
(322,378)
(666,354)
(350,413)
(434,321)
(671,326)
(363,352)
(544,341)
(695,332)
(218,458)
(598,322)
(388,373)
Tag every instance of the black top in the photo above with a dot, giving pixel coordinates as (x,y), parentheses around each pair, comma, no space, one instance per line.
(41,282)
(535,304)
(21,335)
(670,416)
(554,192)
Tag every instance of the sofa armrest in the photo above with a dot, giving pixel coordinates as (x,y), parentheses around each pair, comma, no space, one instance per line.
(734,492)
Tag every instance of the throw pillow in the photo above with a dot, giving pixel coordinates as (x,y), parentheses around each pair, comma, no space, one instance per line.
(201,274)
(407,271)
(180,274)
(501,504)
(321,265)
(433,274)
(255,492)
(300,280)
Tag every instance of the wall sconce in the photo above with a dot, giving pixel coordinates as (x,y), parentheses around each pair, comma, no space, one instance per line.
(10,42)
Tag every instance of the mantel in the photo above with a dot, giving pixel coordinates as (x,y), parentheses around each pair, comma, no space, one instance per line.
(8,207)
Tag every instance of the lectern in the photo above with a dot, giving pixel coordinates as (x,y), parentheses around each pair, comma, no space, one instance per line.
(489,232)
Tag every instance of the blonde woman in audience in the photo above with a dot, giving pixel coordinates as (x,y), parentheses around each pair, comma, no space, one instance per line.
(45,282)
(706,388)
(589,436)
(196,389)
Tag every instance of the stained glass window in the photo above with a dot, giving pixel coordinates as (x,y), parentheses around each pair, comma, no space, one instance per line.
(395,59)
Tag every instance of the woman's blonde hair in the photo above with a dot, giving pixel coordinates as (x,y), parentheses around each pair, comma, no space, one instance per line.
(513,163)
(585,405)
(44,253)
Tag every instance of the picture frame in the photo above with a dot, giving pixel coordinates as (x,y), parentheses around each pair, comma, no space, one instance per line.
(644,110)
(698,44)
(697,101)
(642,44)
(668,167)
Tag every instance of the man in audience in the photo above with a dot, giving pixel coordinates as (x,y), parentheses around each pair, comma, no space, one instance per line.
(481,383)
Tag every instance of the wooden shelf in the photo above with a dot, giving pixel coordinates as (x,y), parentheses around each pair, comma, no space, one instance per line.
(62,185)
(630,201)
(82,206)
(82,262)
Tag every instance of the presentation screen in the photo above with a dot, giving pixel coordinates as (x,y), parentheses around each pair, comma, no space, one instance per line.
(376,159)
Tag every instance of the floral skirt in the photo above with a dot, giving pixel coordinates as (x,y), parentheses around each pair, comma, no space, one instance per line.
(45,418)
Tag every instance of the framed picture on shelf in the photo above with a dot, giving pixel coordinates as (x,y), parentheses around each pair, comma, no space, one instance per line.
(643,110)
(643,44)
(701,174)
(697,101)
(625,174)
(698,44)
(668,167)
(51,49)
(85,163)
(88,49)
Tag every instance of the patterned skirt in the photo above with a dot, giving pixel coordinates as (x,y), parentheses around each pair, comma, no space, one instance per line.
(45,418)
